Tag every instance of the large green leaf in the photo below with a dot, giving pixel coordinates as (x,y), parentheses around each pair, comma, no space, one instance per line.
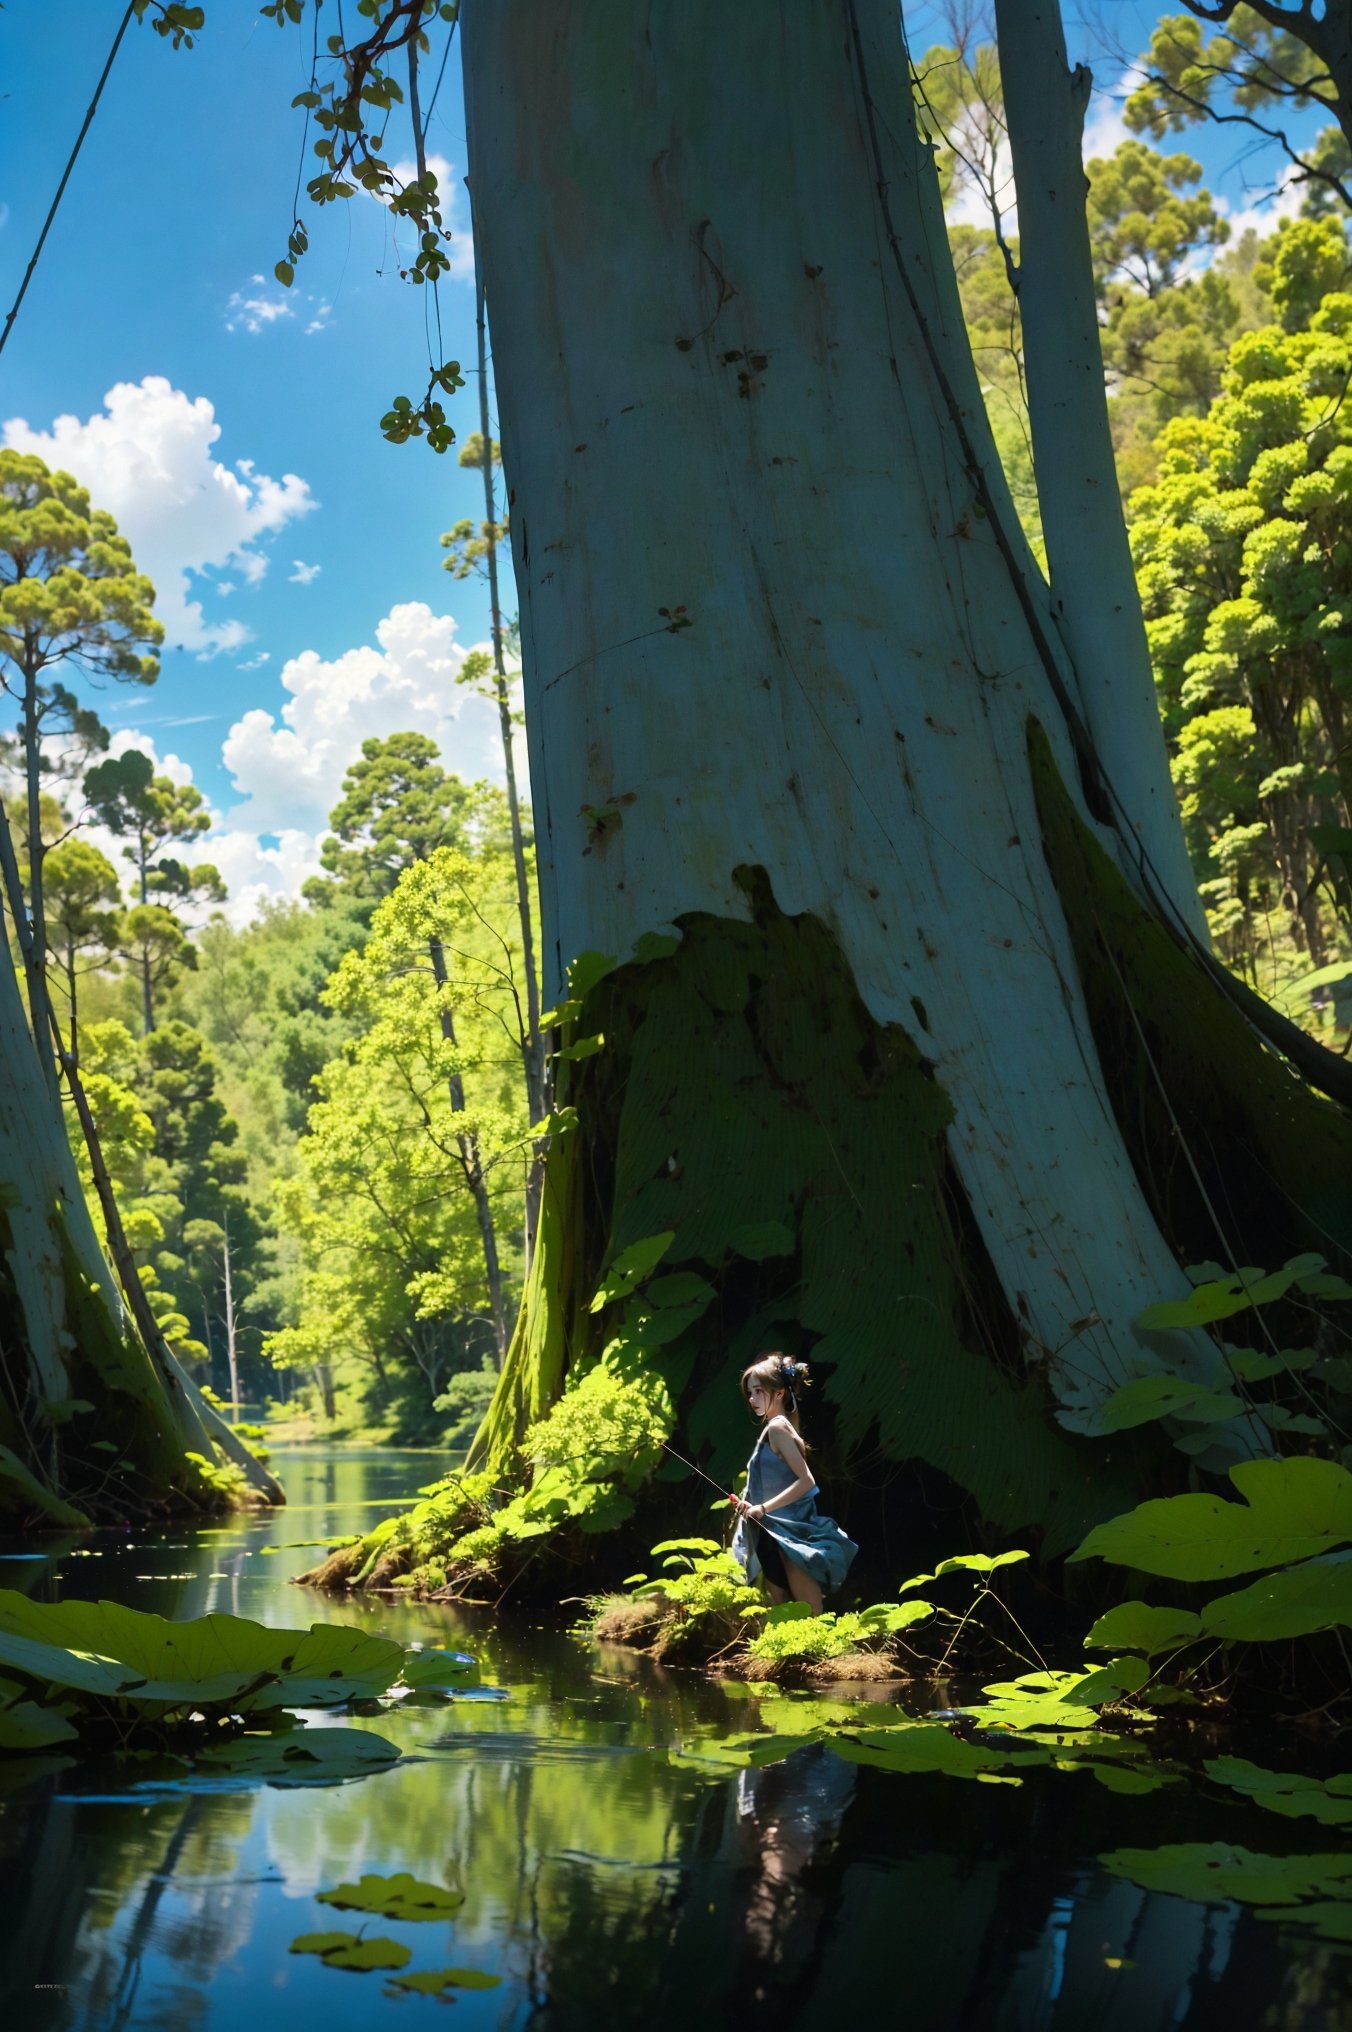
(759,1240)
(1293,1509)
(631,1266)
(1228,1295)
(106,1651)
(26,1726)
(964,1562)
(1316,1595)
(1149,1397)
(1136,1626)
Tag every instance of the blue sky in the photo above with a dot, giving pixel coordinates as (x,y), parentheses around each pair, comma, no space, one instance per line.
(233,427)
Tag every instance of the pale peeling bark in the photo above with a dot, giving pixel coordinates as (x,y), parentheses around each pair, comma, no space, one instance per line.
(1093,585)
(733,383)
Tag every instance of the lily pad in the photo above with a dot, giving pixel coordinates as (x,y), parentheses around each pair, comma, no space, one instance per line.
(298,1757)
(1327,1800)
(435,1982)
(398,1897)
(1213,1873)
(431,1671)
(350,1951)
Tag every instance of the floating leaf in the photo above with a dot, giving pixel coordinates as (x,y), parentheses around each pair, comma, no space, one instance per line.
(1328,1800)
(434,1670)
(1292,1510)
(350,1951)
(398,1897)
(435,1982)
(26,1726)
(1213,1873)
(291,1758)
(1329,1921)
(1136,1626)
(759,1240)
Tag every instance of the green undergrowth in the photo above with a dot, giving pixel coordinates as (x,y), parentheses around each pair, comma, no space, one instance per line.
(581,1468)
(701,1610)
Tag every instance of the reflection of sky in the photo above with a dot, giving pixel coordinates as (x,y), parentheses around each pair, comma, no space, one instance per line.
(606,1882)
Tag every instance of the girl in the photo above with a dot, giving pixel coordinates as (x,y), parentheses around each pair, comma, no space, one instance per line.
(780,1535)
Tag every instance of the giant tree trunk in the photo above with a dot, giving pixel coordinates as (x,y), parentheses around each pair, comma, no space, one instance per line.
(797,699)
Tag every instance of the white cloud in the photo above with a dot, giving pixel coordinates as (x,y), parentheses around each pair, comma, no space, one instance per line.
(147,458)
(304,574)
(1262,211)
(1105,128)
(289,768)
(254,313)
(454,213)
(172,766)
(256,662)
(320,320)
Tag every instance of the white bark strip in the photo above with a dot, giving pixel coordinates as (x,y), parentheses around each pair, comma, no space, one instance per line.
(1094,595)
(716,396)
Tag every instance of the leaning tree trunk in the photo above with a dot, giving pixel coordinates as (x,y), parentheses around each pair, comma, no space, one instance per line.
(905,1068)
(73,1371)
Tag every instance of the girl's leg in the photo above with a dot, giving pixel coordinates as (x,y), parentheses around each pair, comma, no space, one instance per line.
(802,1586)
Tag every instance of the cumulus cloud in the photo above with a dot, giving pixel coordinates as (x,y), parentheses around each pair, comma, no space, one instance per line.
(454,212)
(289,768)
(147,457)
(304,574)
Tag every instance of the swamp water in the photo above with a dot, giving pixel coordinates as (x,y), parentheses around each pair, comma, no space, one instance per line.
(610,1877)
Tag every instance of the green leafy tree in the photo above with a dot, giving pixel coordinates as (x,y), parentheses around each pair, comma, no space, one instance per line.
(1246,575)
(71,600)
(398,806)
(84,916)
(151,813)
(156,948)
(407,1196)
(1262,65)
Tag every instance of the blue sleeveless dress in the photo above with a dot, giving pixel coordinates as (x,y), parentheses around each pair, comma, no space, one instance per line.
(814,1542)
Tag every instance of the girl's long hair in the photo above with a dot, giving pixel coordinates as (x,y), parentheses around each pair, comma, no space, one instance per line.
(779,1373)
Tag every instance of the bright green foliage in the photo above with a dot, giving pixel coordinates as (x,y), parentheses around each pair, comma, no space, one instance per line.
(393,1279)
(399,805)
(1245,576)
(1292,1510)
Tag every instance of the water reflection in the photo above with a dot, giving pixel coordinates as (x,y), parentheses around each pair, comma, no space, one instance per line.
(607,1882)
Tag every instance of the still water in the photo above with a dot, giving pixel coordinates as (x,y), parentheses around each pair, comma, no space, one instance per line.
(608,1882)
